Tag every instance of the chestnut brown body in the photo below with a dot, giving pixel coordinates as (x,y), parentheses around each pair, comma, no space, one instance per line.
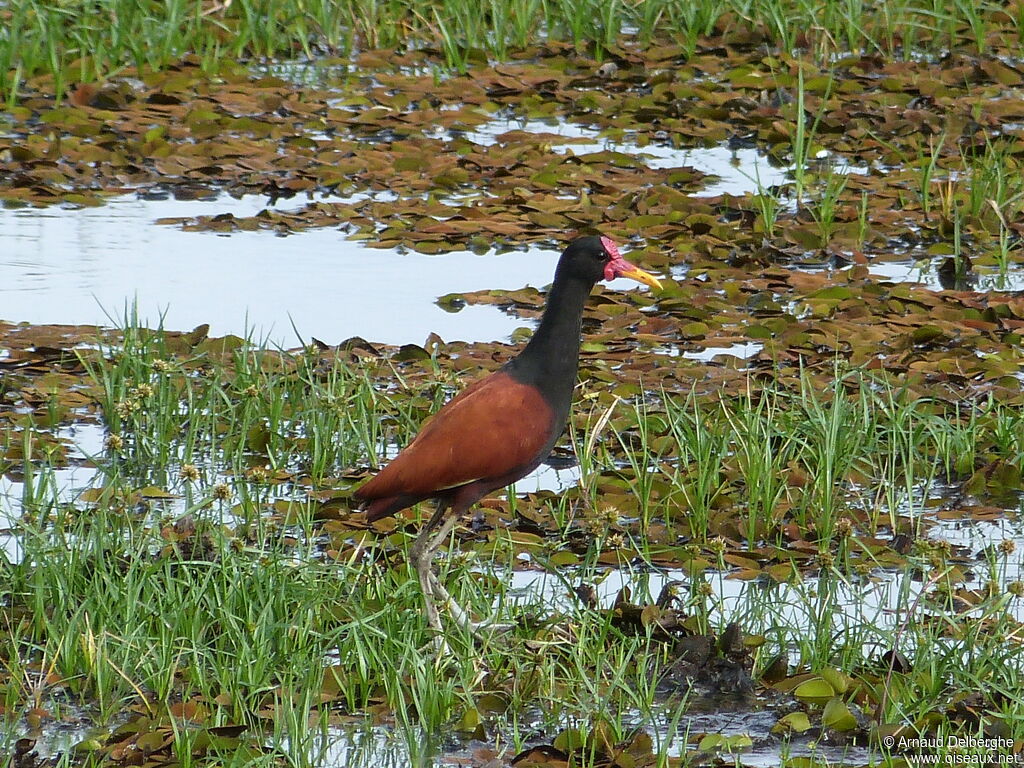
(493,433)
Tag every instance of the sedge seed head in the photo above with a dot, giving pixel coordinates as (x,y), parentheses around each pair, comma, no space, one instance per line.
(609,515)
(125,408)
(615,540)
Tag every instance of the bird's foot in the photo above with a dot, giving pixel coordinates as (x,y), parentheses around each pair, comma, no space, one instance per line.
(481,631)
(442,651)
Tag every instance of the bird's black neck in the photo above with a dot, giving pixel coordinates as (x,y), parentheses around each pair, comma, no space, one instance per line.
(550,361)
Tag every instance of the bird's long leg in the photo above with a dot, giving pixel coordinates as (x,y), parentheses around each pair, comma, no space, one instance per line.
(460,617)
(439,537)
(441,594)
(436,589)
(421,554)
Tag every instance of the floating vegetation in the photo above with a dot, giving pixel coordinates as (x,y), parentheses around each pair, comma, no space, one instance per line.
(931,180)
(788,443)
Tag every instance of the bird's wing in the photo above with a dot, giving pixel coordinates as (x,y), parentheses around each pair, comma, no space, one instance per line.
(494,427)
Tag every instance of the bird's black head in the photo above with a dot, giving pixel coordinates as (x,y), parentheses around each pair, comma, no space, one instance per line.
(597,258)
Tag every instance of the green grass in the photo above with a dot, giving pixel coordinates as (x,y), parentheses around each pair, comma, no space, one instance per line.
(214,585)
(54,45)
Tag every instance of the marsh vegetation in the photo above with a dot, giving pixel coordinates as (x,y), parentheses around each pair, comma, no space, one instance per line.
(784,521)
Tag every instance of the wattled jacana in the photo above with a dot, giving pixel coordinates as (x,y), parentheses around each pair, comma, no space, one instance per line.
(500,428)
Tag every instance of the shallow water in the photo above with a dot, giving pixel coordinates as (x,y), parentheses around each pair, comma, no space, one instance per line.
(876,603)
(738,171)
(86,440)
(742,350)
(85,266)
(981,278)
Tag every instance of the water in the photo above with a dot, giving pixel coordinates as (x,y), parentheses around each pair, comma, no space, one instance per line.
(742,350)
(738,171)
(66,483)
(84,266)
(877,604)
(925,272)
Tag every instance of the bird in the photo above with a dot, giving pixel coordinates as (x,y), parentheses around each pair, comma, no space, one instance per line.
(501,427)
